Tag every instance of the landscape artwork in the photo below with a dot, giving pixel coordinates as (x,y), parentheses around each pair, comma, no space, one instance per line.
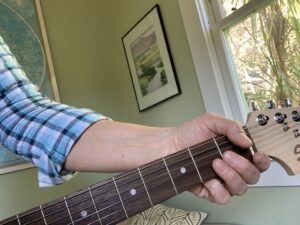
(150,61)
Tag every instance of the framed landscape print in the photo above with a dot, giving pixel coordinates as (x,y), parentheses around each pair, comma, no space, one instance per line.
(149,59)
(22,28)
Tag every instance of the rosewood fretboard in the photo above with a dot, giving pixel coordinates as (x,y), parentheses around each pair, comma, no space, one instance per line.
(127,194)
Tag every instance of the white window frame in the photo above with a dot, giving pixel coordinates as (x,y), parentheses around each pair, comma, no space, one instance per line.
(220,90)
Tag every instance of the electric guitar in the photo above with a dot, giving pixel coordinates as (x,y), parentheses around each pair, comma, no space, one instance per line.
(275,132)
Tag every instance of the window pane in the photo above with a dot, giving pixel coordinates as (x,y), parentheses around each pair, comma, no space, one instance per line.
(265,48)
(230,6)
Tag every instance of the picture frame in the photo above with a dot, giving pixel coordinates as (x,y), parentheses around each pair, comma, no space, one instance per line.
(23,30)
(150,62)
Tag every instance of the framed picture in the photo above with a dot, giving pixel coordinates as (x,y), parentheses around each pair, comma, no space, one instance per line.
(149,59)
(22,28)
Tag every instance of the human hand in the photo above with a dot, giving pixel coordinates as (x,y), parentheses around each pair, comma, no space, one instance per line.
(235,171)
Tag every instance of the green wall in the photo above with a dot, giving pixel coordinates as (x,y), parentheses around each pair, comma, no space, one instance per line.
(120,17)
(85,79)
(91,70)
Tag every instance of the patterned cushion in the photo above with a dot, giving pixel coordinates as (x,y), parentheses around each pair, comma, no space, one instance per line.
(164,215)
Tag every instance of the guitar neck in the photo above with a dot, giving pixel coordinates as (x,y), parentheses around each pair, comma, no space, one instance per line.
(120,197)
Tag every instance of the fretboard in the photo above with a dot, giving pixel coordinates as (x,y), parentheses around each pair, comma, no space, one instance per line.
(118,198)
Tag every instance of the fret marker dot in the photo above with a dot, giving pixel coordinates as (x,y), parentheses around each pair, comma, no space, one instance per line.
(83,213)
(133,192)
(183,170)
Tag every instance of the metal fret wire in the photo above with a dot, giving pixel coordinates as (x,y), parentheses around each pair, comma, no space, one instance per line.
(72,222)
(124,199)
(170,175)
(135,196)
(140,192)
(144,184)
(198,172)
(43,215)
(120,196)
(130,181)
(126,191)
(122,176)
(216,153)
(194,147)
(94,204)
(221,154)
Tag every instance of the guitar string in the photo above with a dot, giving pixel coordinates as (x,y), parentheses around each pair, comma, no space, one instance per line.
(125,199)
(128,182)
(98,202)
(123,184)
(74,205)
(215,153)
(193,147)
(127,174)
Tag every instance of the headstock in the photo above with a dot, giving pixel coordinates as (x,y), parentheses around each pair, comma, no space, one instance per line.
(276,132)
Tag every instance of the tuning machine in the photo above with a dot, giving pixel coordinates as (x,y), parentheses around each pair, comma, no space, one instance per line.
(288,103)
(296,116)
(254,106)
(271,104)
(262,119)
(279,117)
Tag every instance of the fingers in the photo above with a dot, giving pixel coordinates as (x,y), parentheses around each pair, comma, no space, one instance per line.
(262,161)
(232,129)
(217,192)
(236,172)
(213,191)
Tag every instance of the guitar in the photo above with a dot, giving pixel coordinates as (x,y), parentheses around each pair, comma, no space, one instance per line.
(275,132)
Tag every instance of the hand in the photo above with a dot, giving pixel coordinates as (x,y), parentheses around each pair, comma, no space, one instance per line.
(236,171)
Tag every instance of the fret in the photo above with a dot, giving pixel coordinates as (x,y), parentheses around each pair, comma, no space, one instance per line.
(115,199)
(155,176)
(34,214)
(43,215)
(99,218)
(221,154)
(56,212)
(183,171)
(120,197)
(107,201)
(204,155)
(133,192)
(81,207)
(170,175)
(68,210)
(145,186)
(19,222)
(11,221)
(191,155)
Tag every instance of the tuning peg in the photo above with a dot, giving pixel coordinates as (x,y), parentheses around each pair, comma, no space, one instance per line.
(271,104)
(287,102)
(296,116)
(254,106)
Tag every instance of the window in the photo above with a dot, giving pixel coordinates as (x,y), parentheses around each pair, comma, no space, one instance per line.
(245,50)
(260,40)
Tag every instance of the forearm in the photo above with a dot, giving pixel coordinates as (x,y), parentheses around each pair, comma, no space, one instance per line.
(112,147)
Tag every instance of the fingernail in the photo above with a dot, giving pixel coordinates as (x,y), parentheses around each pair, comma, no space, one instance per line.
(228,157)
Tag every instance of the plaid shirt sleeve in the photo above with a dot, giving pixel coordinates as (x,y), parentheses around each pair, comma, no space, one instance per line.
(35,127)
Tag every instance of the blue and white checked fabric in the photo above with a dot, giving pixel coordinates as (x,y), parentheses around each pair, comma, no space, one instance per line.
(35,127)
